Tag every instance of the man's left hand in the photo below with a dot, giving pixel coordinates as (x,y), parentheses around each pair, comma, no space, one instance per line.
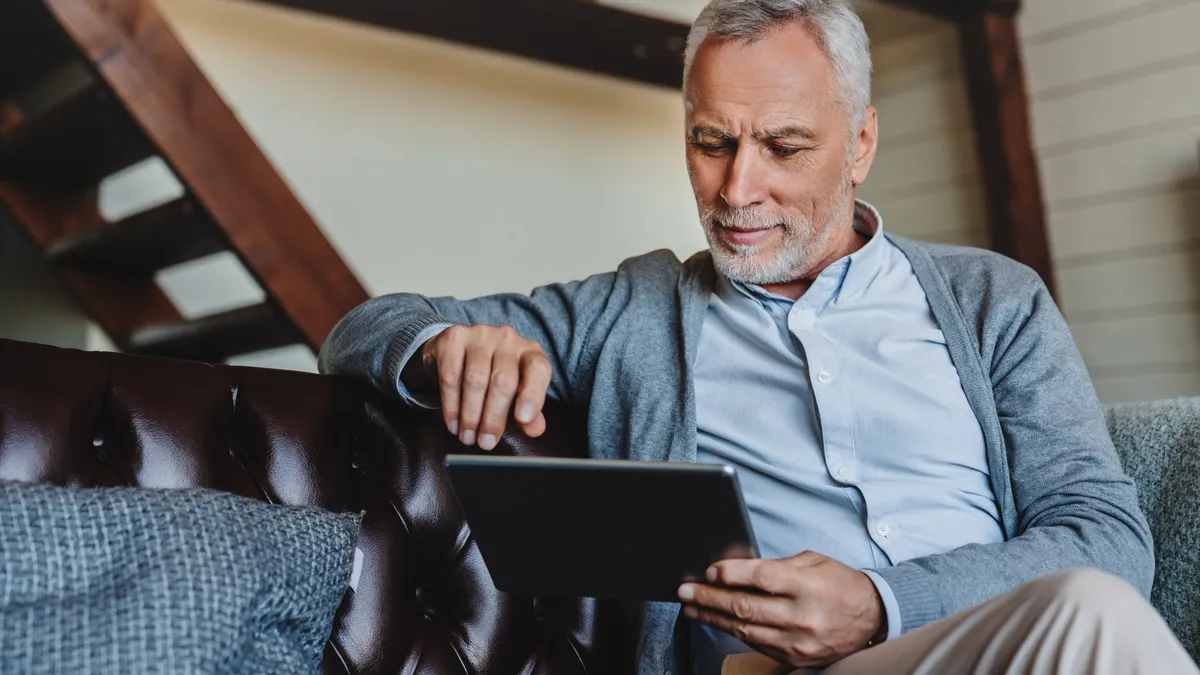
(807,611)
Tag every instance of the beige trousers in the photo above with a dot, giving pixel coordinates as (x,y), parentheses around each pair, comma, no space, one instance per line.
(1076,623)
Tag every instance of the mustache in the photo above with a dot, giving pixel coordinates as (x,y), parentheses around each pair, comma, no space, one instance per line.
(745,218)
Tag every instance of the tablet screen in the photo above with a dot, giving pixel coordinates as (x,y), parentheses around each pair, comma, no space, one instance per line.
(599,528)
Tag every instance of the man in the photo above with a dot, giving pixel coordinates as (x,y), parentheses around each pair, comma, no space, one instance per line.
(912,424)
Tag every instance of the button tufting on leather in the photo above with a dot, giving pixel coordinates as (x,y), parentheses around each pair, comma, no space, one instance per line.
(104,419)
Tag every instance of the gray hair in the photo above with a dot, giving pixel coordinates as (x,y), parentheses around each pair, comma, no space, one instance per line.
(838,29)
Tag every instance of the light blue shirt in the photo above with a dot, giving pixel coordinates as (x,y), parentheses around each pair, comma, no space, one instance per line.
(845,419)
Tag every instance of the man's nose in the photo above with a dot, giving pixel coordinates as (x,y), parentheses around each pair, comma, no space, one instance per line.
(746,182)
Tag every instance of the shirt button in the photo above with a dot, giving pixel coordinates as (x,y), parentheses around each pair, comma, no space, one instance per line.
(802,319)
(845,474)
(882,530)
(824,377)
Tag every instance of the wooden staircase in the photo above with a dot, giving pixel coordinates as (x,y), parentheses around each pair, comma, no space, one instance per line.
(91,87)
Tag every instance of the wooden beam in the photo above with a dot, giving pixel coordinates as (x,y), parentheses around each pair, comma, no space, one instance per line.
(995,80)
(957,10)
(582,35)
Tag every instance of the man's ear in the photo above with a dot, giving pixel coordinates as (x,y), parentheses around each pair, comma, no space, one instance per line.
(865,145)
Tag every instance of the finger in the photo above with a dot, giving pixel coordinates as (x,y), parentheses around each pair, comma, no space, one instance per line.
(535,428)
(502,388)
(761,637)
(449,353)
(535,381)
(477,373)
(767,576)
(745,606)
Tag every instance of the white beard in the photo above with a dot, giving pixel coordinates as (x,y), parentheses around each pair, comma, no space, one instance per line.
(801,246)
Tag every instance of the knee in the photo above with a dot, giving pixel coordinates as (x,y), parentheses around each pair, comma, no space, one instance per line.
(1091,589)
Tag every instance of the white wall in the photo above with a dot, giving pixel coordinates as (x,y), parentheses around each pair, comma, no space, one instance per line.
(439,169)
(442,170)
(33,305)
(926,178)
(1115,88)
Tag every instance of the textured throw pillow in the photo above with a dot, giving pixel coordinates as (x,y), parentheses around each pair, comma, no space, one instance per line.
(126,580)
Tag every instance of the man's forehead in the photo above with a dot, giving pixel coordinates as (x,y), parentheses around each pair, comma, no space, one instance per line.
(763,102)
(759,84)
(776,118)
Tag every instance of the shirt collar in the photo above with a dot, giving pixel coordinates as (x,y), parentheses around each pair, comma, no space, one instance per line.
(866,263)
(847,276)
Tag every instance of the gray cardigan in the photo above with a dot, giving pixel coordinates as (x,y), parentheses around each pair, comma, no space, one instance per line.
(622,345)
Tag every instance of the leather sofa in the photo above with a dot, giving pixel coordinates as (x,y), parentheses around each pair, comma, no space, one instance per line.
(424,602)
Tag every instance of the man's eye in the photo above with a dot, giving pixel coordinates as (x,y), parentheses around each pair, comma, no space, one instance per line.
(782,151)
(710,148)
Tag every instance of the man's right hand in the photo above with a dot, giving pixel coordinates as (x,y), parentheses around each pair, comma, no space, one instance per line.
(486,374)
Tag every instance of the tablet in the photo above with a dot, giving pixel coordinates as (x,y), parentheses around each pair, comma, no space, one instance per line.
(600,528)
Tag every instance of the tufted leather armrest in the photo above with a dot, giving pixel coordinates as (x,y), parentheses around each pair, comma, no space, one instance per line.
(424,601)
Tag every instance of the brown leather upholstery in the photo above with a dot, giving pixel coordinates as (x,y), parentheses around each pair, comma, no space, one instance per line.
(424,604)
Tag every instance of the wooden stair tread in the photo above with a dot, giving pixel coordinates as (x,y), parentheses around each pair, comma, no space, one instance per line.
(81,140)
(173,233)
(217,337)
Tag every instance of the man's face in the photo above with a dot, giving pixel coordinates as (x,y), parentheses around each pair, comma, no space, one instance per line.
(771,156)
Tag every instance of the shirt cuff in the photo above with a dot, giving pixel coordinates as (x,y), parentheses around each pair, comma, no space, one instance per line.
(890,605)
(427,334)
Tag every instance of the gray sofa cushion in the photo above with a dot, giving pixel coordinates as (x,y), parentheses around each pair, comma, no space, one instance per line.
(1159,444)
(123,580)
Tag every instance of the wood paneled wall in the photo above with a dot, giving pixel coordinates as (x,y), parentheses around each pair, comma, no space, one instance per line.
(926,180)
(1115,93)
